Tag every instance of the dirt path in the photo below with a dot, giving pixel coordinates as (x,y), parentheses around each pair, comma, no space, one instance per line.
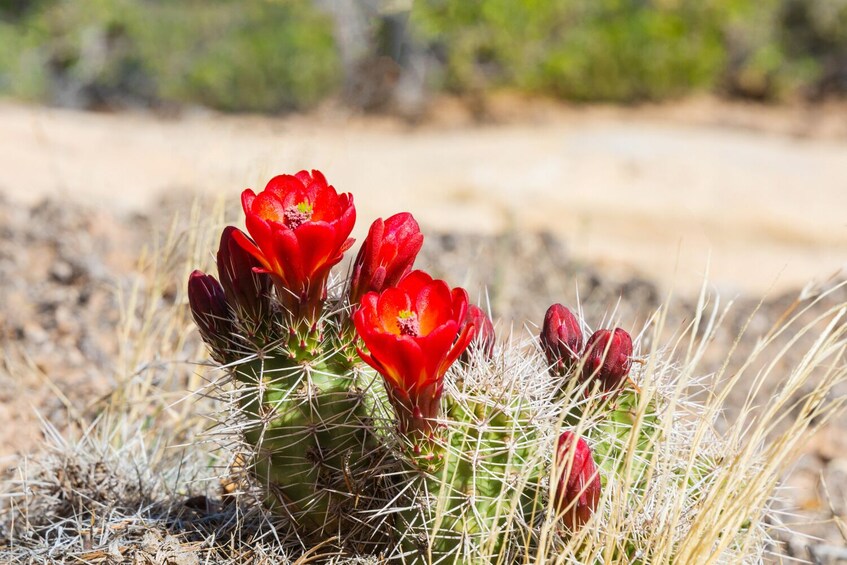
(660,191)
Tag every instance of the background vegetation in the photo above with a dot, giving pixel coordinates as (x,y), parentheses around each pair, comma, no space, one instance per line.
(273,56)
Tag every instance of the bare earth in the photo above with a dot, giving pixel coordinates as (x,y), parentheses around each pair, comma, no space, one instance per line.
(759,195)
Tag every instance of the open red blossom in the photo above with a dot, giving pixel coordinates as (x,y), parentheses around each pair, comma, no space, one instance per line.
(608,358)
(561,339)
(412,333)
(300,228)
(577,484)
(386,256)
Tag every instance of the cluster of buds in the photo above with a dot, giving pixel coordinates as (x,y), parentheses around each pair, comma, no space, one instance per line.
(602,362)
(605,360)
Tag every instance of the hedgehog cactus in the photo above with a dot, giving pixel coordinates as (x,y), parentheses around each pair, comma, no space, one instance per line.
(386,418)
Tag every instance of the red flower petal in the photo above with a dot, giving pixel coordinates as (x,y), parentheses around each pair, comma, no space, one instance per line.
(437,344)
(315,241)
(462,343)
(325,201)
(414,282)
(247,198)
(282,185)
(391,303)
(269,207)
(286,251)
(401,356)
(263,237)
(460,301)
(434,306)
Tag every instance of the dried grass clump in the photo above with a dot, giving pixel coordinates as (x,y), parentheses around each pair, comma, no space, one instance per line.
(155,479)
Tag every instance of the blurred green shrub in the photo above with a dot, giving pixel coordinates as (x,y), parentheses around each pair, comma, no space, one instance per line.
(226,54)
(278,55)
(578,49)
(814,32)
(629,50)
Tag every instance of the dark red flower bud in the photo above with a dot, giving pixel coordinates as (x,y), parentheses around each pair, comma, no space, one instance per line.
(561,339)
(211,312)
(386,256)
(483,330)
(577,486)
(608,358)
(246,290)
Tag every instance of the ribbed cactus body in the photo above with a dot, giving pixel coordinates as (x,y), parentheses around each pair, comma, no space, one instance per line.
(481,482)
(622,432)
(622,441)
(308,419)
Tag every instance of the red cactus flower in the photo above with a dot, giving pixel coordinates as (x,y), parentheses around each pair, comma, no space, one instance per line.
(211,312)
(608,358)
(300,227)
(386,256)
(412,332)
(483,329)
(561,339)
(577,486)
(247,290)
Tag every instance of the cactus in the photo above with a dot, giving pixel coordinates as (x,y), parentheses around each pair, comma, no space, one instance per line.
(384,417)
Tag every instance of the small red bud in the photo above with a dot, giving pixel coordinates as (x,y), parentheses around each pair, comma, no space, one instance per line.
(608,358)
(210,311)
(246,290)
(577,486)
(483,329)
(561,339)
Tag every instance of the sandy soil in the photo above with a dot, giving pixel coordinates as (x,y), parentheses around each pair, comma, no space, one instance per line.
(757,194)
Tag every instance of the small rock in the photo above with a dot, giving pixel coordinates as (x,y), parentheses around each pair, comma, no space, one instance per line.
(62,272)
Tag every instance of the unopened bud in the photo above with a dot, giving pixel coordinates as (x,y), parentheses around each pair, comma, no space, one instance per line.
(577,484)
(608,358)
(210,311)
(247,291)
(483,330)
(561,339)
(386,256)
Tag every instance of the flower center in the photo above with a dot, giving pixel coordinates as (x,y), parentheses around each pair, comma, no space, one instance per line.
(408,323)
(297,215)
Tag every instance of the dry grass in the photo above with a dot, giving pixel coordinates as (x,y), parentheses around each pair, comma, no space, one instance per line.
(146,481)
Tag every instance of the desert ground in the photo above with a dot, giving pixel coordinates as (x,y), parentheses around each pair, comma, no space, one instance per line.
(614,207)
(754,197)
